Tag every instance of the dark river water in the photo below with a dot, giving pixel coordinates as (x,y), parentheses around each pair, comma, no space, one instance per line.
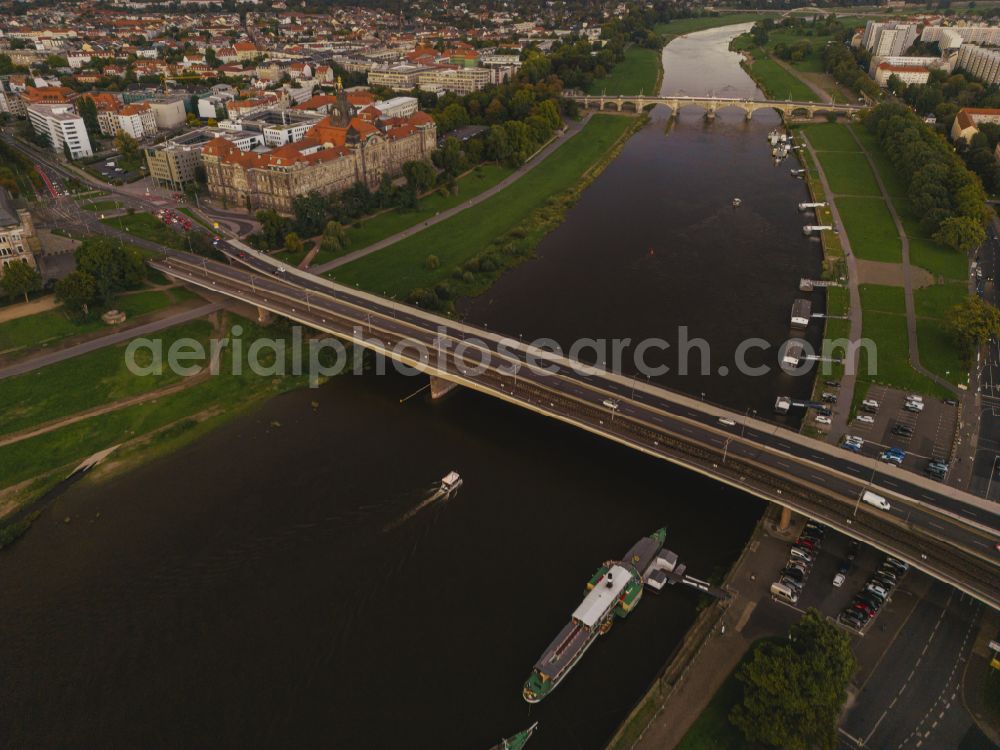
(261,588)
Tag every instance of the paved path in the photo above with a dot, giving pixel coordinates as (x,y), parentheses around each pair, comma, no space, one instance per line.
(34,363)
(842,410)
(571,130)
(911,315)
(21,309)
(823,95)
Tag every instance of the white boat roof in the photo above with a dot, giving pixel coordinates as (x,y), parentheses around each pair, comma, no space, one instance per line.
(602,597)
(451,477)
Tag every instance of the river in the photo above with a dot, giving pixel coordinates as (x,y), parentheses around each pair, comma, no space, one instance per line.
(261,588)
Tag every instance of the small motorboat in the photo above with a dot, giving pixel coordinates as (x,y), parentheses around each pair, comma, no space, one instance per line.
(450,482)
(737,202)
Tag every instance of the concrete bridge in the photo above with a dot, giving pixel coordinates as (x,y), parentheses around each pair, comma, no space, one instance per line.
(710,104)
(942,530)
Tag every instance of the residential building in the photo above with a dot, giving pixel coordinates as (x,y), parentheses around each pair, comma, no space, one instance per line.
(888,39)
(18,240)
(908,74)
(335,153)
(460,81)
(980,62)
(401,77)
(63,126)
(10,101)
(967,120)
(968,34)
(246,51)
(48,95)
(137,120)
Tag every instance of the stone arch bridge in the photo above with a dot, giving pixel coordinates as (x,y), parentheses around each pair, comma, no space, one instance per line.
(709,104)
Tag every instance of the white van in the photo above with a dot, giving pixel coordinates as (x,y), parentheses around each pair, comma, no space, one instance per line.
(781,591)
(875,500)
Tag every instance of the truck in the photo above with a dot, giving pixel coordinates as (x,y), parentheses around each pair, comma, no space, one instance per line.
(875,500)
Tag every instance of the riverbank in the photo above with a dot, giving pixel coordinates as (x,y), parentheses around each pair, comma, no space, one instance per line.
(472,249)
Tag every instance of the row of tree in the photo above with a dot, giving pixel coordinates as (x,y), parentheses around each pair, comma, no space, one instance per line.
(948,197)
(104,269)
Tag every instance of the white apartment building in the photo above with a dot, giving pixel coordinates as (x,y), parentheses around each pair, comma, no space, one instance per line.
(401,77)
(137,120)
(968,34)
(888,39)
(908,74)
(980,62)
(461,81)
(62,125)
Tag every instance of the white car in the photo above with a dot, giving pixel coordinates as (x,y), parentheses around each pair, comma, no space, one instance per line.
(914,406)
(610,403)
(727,421)
(854,439)
(838,580)
(823,420)
(866,418)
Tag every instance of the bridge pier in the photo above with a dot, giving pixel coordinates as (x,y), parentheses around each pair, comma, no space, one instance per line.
(710,115)
(786,519)
(749,115)
(264,317)
(440,387)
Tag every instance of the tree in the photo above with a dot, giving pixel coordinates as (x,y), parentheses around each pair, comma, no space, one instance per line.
(127,146)
(793,691)
(77,292)
(419,175)
(335,237)
(20,278)
(88,111)
(960,233)
(972,322)
(113,268)
(452,158)
(293,243)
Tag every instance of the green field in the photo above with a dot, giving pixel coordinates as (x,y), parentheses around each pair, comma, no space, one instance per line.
(365,232)
(148,227)
(400,268)
(47,327)
(778,83)
(82,383)
(879,298)
(938,352)
(224,395)
(636,74)
(890,178)
(892,367)
(870,228)
(680,26)
(830,137)
(848,173)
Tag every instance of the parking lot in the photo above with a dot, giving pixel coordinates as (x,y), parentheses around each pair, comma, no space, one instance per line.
(933,429)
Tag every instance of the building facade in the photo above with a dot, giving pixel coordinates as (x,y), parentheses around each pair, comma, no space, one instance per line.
(980,62)
(335,153)
(63,126)
(18,241)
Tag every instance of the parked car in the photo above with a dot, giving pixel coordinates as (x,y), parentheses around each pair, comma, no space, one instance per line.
(838,580)
(801,554)
(832,383)
(866,418)
(902,429)
(815,529)
(823,419)
(853,548)
(914,406)
(875,588)
(830,398)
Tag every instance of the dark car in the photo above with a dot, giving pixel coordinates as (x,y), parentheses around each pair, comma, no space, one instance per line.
(815,529)
(845,568)
(868,598)
(863,607)
(951,402)
(832,383)
(852,549)
(902,429)
(794,573)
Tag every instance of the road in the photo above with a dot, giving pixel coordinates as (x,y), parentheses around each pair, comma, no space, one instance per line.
(945,531)
(913,699)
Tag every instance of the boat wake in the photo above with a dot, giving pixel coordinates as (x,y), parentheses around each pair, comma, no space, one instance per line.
(438,494)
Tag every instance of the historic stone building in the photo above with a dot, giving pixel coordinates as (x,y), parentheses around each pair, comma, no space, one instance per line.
(351,145)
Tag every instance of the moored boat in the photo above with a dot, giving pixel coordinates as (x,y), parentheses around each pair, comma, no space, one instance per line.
(614,589)
(517,741)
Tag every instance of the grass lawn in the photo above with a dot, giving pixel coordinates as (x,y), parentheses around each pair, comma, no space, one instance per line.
(225,395)
(50,326)
(712,730)
(777,82)
(150,228)
(936,301)
(101,206)
(837,300)
(637,73)
(830,137)
(933,256)
(398,269)
(848,173)
(870,228)
(878,298)
(937,348)
(83,383)
(892,367)
(890,178)
(680,26)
